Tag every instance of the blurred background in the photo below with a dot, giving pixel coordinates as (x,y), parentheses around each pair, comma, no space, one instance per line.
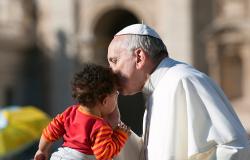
(43,43)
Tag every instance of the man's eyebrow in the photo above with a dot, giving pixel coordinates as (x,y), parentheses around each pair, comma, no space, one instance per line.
(111,58)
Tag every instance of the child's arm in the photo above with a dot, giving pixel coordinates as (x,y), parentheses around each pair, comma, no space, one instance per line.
(107,143)
(51,133)
(55,129)
(43,149)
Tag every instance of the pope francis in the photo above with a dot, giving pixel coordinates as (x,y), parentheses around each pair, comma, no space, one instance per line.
(187,115)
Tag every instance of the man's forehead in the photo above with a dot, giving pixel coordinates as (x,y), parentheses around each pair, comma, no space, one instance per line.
(113,50)
(117,43)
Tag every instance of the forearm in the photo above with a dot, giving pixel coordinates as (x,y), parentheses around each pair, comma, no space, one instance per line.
(108,142)
(44,144)
(43,149)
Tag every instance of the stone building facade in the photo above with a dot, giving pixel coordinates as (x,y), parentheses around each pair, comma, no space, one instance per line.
(42,43)
(227,51)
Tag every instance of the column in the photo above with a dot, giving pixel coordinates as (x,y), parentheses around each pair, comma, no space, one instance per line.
(179,29)
(86,53)
(213,60)
(245,55)
(56,29)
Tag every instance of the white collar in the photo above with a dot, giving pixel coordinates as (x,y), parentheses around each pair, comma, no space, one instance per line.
(156,76)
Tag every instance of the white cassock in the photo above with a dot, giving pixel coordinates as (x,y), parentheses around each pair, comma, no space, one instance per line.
(189,118)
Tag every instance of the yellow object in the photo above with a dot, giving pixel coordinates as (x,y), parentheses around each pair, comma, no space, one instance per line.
(24,125)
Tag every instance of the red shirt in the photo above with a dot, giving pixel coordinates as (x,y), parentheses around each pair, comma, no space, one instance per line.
(86,133)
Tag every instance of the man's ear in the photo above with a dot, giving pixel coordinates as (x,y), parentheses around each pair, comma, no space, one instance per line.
(140,58)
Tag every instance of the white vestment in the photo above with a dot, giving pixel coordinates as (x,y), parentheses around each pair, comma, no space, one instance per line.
(188,117)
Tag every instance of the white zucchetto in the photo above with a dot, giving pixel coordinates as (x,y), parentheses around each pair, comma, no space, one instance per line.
(138,29)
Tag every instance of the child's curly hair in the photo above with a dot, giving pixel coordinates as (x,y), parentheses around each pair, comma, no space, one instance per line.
(92,84)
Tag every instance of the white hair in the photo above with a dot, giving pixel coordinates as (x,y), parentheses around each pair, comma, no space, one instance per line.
(153,46)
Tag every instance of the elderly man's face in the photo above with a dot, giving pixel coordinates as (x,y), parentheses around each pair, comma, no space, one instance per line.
(123,62)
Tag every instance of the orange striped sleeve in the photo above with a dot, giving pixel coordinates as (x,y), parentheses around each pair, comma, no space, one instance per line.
(107,142)
(55,129)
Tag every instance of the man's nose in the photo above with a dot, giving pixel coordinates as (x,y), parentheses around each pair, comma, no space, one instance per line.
(113,69)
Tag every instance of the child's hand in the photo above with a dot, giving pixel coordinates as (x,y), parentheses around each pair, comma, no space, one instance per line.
(40,155)
(114,118)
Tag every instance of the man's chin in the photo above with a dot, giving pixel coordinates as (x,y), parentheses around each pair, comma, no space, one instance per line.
(127,93)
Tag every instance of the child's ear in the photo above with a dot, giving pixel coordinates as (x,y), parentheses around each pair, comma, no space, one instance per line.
(104,101)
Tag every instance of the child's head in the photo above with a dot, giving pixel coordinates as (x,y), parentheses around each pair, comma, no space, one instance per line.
(93,84)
